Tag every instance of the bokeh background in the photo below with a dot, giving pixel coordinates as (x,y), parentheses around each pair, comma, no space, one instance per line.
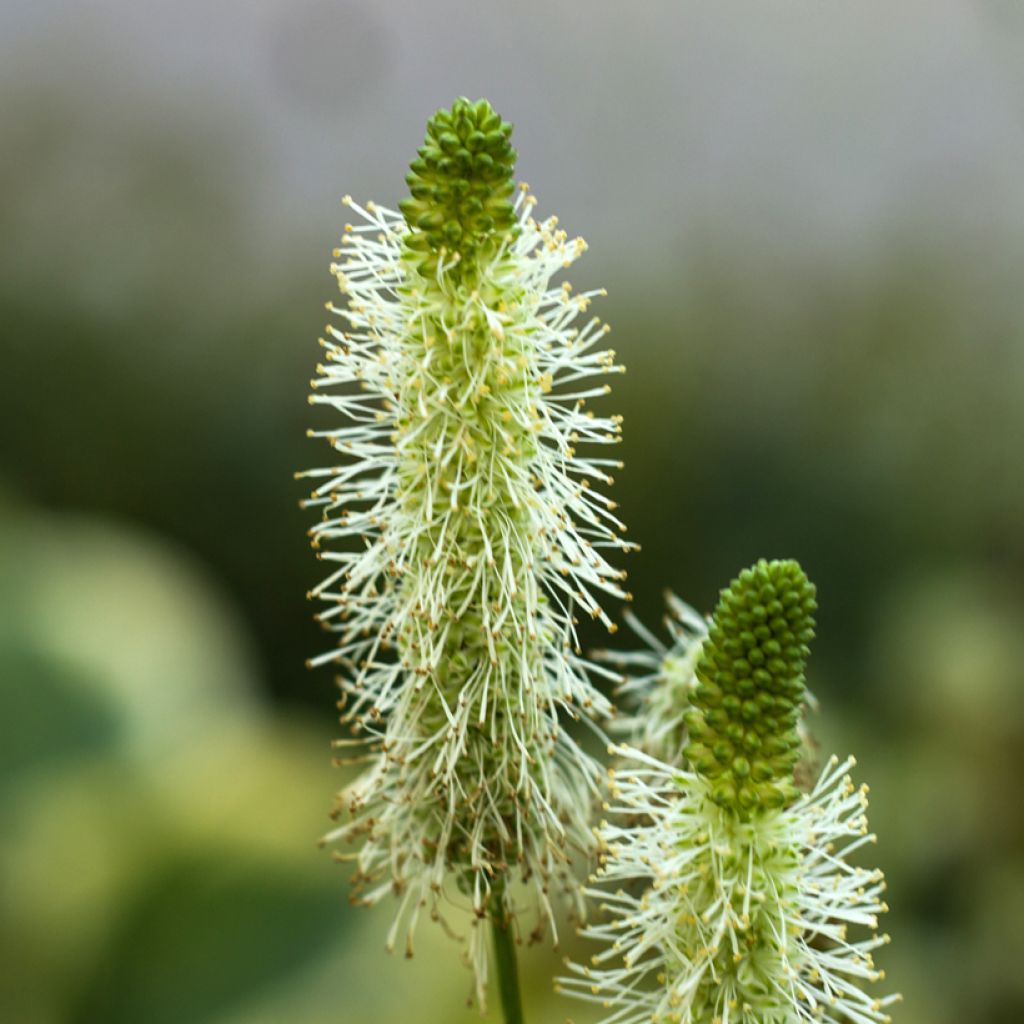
(810,219)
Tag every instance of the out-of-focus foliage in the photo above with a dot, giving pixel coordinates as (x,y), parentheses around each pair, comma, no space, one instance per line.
(811,224)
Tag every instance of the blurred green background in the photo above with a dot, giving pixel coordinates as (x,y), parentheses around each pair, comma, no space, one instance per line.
(810,219)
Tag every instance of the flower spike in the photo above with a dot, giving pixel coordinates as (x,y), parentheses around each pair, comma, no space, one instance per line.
(730,897)
(464,530)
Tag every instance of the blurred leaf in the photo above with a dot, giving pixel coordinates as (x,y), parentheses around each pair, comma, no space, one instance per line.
(205,935)
(54,713)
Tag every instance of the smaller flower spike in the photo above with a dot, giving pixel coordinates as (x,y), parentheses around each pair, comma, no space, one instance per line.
(744,717)
(729,897)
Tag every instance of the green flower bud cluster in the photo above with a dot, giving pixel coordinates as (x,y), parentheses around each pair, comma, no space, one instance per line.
(743,722)
(460,210)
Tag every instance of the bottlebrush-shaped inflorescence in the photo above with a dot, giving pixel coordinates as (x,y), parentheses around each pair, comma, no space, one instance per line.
(463,530)
(729,896)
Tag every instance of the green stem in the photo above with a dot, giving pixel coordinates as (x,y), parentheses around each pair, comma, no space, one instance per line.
(505,958)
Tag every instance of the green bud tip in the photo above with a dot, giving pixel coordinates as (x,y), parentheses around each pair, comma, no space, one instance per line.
(460,190)
(745,709)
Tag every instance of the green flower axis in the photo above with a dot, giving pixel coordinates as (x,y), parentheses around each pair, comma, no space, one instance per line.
(743,723)
(461,187)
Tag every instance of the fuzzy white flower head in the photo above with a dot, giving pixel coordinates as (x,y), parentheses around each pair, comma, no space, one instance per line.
(731,898)
(462,378)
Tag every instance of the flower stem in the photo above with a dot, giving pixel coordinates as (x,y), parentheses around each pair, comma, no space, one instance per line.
(505,964)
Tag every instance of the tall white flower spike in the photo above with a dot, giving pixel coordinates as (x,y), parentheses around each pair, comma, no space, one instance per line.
(464,532)
(730,897)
